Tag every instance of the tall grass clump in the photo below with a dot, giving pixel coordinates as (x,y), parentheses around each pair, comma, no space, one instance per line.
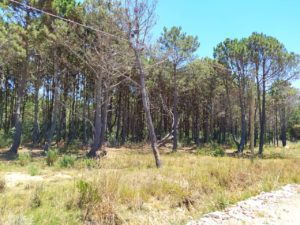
(51,157)
(33,170)
(24,158)
(36,199)
(212,149)
(98,199)
(67,161)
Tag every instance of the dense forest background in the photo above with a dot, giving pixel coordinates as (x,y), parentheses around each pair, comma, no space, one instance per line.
(86,74)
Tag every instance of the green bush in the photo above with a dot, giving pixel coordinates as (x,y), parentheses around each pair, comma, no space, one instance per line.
(295,132)
(33,171)
(5,139)
(112,141)
(88,193)
(212,149)
(219,152)
(52,156)
(24,158)
(67,161)
(90,163)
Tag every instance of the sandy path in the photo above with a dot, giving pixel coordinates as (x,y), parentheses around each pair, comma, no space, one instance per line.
(280,207)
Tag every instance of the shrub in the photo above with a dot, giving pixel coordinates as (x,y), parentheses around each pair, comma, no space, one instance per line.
(2,184)
(295,131)
(4,141)
(103,213)
(36,200)
(90,163)
(218,152)
(33,171)
(98,202)
(67,161)
(51,157)
(213,149)
(24,158)
(88,193)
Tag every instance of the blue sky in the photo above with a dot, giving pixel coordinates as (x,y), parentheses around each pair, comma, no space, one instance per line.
(214,20)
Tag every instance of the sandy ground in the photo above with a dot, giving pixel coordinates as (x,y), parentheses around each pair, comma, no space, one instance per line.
(280,207)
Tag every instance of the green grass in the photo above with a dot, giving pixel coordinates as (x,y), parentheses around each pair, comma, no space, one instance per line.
(125,187)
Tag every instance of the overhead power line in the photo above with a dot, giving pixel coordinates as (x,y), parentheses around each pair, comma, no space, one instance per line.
(70,21)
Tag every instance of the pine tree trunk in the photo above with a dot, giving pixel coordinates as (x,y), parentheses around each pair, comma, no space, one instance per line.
(18,115)
(175,110)
(252,116)
(36,129)
(243,116)
(54,112)
(98,119)
(283,126)
(263,116)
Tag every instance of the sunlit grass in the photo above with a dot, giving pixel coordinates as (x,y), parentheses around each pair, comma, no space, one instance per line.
(125,187)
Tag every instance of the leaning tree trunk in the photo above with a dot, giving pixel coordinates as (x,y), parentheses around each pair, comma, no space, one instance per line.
(146,105)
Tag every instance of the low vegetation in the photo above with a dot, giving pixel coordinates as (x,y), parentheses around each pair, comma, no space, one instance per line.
(2,184)
(125,188)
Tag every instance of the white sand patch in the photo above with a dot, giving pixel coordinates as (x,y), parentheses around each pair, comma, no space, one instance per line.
(13,179)
(280,207)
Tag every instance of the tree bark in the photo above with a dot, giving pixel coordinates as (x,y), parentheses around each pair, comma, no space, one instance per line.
(36,129)
(18,115)
(283,126)
(243,116)
(263,115)
(252,116)
(175,110)
(98,119)
(54,112)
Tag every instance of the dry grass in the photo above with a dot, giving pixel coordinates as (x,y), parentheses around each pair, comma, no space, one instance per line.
(125,187)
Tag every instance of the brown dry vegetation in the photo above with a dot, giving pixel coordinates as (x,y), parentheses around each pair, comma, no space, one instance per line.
(125,188)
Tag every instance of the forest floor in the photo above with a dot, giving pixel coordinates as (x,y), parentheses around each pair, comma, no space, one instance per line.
(124,187)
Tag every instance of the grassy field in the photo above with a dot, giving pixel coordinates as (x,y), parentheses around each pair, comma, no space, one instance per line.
(125,188)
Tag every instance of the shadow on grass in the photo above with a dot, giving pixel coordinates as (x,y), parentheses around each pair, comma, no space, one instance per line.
(248,155)
(8,156)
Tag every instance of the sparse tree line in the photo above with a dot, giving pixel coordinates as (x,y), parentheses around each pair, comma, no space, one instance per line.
(85,73)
